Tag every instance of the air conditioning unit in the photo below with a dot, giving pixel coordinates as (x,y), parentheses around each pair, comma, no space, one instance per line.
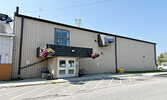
(104,40)
(110,39)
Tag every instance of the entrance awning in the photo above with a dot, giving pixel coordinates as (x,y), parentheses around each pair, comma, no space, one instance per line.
(68,51)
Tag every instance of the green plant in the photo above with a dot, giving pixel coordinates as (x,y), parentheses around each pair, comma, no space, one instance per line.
(162,58)
(18,79)
(53,82)
(47,52)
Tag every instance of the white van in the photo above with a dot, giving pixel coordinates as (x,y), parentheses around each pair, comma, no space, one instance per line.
(163,66)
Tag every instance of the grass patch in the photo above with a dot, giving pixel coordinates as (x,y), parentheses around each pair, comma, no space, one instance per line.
(18,79)
(153,71)
(53,82)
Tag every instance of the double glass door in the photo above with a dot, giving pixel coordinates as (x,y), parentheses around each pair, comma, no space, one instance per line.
(66,67)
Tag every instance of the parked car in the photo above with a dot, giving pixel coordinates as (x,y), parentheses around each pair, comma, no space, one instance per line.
(163,66)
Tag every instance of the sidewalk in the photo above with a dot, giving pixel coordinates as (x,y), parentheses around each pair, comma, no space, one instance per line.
(40,81)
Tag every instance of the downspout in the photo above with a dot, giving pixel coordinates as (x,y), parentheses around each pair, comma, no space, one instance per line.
(116,66)
(21,42)
(155,55)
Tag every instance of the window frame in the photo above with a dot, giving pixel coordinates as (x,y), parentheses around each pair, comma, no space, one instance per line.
(65,38)
(0,59)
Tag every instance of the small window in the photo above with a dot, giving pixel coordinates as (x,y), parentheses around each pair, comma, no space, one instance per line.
(62,63)
(71,63)
(71,71)
(62,72)
(0,59)
(61,37)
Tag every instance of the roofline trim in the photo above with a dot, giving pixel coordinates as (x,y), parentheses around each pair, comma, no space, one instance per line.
(48,21)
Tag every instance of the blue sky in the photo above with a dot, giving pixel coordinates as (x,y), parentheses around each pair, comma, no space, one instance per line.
(140,19)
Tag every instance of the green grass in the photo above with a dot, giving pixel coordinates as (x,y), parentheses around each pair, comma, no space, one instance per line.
(154,71)
(53,82)
(18,79)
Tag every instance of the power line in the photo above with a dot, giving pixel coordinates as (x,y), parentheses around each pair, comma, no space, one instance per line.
(75,6)
(91,3)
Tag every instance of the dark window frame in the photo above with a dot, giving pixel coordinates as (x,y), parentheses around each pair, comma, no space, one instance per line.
(0,59)
(65,38)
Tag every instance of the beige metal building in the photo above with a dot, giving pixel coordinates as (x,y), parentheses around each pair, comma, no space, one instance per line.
(115,51)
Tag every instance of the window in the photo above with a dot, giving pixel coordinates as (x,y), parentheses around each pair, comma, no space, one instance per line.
(71,71)
(62,72)
(61,37)
(164,64)
(71,63)
(0,59)
(62,63)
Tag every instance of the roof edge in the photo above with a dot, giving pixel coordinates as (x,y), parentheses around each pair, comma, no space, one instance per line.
(48,21)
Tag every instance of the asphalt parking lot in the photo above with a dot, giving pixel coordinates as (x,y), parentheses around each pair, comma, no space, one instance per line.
(69,88)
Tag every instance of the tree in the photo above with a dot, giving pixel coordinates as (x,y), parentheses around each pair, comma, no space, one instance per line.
(162,58)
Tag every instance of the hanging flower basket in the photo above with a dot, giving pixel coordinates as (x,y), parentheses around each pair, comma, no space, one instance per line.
(47,52)
(95,55)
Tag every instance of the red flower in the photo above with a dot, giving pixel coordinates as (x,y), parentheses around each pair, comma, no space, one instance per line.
(44,53)
(95,55)
(47,52)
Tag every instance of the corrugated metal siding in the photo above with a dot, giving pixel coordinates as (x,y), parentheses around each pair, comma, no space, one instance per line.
(38,33)
(6,45)
(16,41)
(5,28)
(52,62)
(77,66)
(105,63)
(130,55)
(35,34)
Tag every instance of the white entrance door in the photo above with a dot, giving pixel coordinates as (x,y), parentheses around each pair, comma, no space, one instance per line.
(66,67)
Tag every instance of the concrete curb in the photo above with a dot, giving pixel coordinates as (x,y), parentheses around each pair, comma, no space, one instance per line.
(31,84)
(84,78)
(154,74)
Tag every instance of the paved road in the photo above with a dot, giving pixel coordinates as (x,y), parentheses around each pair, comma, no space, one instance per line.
(115,88)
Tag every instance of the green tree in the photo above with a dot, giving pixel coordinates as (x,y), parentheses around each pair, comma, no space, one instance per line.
(161,55)
(162,58)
